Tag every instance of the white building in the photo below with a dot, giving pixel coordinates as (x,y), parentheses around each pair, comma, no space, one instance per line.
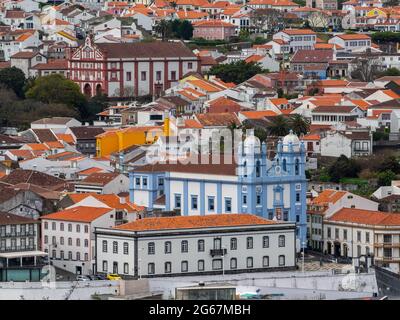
(296,39)
(352,42)
(59,124)
(324,206)
(348,143)
(69,236)
(103,183)
(354,232)
(194,245)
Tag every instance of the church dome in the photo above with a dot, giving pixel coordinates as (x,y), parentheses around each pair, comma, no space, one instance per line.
(291,138)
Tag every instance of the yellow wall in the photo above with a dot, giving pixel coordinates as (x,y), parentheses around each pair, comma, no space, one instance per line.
(375,12)
(125,138)
(107,144)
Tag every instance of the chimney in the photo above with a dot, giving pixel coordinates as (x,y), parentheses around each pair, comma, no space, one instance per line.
(122,200)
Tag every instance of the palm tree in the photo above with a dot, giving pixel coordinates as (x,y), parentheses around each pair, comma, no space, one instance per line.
(279,126)
(299,124)
(163,28)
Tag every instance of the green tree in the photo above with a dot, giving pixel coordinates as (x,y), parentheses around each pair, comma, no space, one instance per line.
(57,89)
(236,72)
(20,113)
(299,124)
(390,72)
(344,167)
(390,164)
(185,30)
(385,178)
(278,126)
(14,79)
(244,35)
(261,134)
(386,37)
(164,29)
(95,105)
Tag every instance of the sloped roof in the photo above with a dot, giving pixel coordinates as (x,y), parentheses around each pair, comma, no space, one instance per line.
(193,222)
(157,49)
(368,217)
(78,214)
(217,119)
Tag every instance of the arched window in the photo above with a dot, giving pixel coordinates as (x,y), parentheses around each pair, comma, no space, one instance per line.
(245,169)
(296,167)
(281,241)
(284,165)
(258,168)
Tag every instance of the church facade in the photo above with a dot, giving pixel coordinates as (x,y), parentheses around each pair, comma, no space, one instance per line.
(273,189)
(129,69)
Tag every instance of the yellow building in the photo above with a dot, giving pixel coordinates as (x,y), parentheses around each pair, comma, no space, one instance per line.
(376,12)
(116,140)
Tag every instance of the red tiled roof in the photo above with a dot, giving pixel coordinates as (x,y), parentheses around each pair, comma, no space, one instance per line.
(328,196)
(193,222)
(78,214)
(367,217)
(100,178)
(213,23)
(258,114)
(354,36)
(111,200)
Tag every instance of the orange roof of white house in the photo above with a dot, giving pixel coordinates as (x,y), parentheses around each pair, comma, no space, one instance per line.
(315,137)
(37,146)
(78,214)
(194,222)
(231,10)
(328,196)
(110,200)
(258,114)
(214,23)
(278,101)
(366,217)
(204,85)
(278,3)
(391,94)
(298,31)
(191,15)
(356,36)
(254,58)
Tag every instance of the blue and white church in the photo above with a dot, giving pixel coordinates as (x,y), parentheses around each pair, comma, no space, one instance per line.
(274,189)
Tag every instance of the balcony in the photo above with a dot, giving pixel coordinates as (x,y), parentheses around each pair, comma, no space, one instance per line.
(217,252)
(386,245)
(17,248)
(387,259)
(17,234)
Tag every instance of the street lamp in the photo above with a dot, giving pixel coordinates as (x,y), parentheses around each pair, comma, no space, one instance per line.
(49,246)
(223,261)
(140,263)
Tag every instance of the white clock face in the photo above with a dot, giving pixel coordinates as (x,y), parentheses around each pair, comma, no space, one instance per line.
(278,170)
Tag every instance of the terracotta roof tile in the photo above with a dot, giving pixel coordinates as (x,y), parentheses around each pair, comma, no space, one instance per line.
(258,114)
(328,196)
(78,214)
(111,200)
(217,119)
(99,178)
(194,222)
(367,217)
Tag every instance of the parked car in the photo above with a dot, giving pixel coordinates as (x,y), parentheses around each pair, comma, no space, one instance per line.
(113,276)
(91,277)
(100,277)
(82,278)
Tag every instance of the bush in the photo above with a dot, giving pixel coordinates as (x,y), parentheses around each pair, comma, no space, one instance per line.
(385,178)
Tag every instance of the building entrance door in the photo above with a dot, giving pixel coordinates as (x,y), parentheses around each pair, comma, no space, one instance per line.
(78,270)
